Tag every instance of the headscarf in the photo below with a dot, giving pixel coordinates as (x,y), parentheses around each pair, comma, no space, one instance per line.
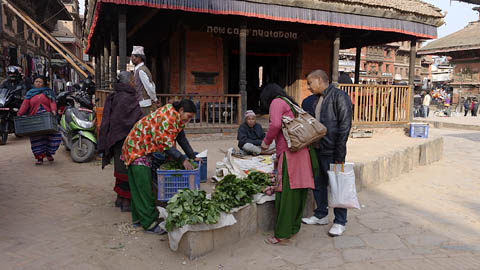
(43,90)
(249,113)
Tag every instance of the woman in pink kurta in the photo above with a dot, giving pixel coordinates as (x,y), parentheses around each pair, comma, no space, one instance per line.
(294,169)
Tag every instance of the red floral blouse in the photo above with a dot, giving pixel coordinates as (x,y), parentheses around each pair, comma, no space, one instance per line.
(155,132)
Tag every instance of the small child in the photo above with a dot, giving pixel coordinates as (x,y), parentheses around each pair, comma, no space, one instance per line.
(250,135)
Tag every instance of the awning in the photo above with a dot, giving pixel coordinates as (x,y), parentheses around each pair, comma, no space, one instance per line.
(279,13)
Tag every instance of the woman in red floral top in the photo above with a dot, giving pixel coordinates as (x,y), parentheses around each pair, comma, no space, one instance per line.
(156,132)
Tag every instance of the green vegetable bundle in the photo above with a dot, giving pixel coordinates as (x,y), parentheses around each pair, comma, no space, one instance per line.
(191,207)
(259,179)
(176,166)
(233,192)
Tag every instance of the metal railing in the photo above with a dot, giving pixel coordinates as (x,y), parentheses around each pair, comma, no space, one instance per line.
(213,111)
(378,104)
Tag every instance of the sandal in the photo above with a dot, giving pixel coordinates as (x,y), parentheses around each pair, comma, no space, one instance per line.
(276,241)
(39,162)
(50,158)
(156,230)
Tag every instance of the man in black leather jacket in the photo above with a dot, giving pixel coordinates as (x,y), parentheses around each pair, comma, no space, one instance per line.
(333,108)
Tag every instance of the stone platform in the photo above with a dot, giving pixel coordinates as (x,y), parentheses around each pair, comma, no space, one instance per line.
(387,155)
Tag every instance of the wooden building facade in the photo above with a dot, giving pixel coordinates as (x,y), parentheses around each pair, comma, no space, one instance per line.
(228,49)
(463,47)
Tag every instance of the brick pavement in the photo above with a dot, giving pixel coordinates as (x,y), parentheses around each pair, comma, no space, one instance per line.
(61,216)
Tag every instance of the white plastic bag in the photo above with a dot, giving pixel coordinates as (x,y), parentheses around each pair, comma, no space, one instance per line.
(343,193)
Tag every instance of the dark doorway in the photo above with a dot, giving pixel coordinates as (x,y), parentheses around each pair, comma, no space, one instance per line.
(12,52)
(267,62)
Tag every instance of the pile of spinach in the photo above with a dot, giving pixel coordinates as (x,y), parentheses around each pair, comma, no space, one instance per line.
(191,207)
(233,192)
(259,179)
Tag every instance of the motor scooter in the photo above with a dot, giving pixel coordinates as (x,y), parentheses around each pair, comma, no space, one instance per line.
(10,102)
(78,124)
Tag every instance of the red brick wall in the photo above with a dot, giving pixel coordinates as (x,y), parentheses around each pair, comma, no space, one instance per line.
(315,55)
(204,54)
(174,63)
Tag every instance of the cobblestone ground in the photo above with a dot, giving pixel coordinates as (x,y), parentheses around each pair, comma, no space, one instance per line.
(61,216)
(456,118)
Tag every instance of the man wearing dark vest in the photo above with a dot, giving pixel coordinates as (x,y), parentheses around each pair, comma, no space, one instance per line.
(144,85)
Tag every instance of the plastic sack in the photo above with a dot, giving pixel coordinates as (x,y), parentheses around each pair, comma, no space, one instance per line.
(343,193)
(174,237)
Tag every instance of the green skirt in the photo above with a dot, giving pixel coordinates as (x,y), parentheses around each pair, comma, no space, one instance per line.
(143,199)
(289,206)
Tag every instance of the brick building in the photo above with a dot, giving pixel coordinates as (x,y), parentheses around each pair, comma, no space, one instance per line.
(384,64)
(69,33)
(463,48)
(19,44)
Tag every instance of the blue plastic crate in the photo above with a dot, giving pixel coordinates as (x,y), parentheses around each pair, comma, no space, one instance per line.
(170,182)
(419,130)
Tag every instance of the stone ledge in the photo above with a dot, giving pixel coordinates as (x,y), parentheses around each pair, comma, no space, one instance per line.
(261,218)
(439,124)
(197,244)
(392,165)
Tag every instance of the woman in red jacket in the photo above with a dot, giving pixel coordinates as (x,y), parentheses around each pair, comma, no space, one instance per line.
(41,99)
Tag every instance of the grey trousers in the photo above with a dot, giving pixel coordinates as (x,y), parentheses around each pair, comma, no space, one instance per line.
(249,148)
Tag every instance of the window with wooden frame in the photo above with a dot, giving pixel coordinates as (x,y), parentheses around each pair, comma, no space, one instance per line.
(9,19)
(20,28)
(30,34)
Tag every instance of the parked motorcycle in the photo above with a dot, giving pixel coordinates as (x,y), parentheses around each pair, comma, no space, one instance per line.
(77,123)
(10,102)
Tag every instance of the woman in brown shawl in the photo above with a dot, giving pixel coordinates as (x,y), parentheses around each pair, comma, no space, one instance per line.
(121,111)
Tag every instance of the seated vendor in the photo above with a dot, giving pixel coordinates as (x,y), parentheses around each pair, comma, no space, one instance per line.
(250,135)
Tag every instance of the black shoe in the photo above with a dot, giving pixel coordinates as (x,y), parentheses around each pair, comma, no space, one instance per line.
(125,207)
(118,201)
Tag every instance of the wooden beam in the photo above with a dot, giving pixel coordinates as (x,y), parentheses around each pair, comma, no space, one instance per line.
(243,68)
(335,57)
(413,57)
(106,64)
(143,21)
(97,69)
(358,57)
(53,42)
(114,54)
(122,38)
(411,73)
(298,70)
(102,69)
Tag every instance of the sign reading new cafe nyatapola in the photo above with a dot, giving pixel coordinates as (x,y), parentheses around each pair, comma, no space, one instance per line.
(225,30)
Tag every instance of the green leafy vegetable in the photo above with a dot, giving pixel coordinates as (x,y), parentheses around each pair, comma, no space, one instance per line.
(233,192)
(191,207)
(259,179)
